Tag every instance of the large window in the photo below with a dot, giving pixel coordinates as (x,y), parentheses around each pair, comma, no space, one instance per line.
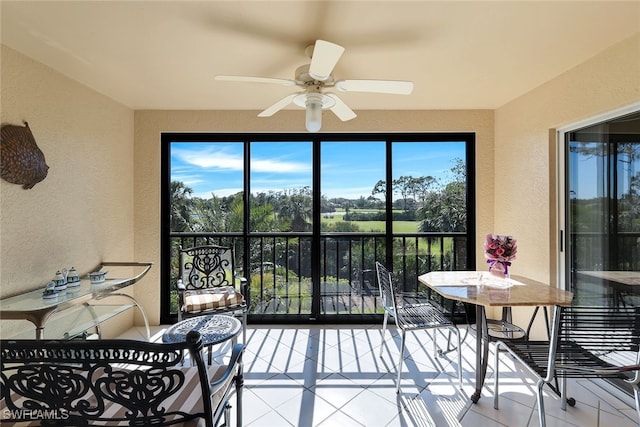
(309,216)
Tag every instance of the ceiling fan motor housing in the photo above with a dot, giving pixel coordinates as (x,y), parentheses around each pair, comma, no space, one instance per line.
(303,76)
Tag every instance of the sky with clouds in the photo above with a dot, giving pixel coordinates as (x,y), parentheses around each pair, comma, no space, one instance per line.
(349,169)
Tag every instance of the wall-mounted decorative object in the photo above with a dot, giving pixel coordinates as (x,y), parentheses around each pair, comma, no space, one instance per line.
(21,161)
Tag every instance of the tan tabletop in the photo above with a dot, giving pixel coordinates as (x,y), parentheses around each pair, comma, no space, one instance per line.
(483,289)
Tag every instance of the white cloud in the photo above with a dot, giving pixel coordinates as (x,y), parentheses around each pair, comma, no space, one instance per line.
(212,158)
(278,166)
(209,158)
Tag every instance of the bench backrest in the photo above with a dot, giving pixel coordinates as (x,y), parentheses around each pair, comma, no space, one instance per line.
(106,382)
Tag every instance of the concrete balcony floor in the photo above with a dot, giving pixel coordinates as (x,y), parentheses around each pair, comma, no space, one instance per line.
(307,376)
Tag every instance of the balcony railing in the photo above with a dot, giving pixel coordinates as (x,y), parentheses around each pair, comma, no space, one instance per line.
(285,279)
(604,251)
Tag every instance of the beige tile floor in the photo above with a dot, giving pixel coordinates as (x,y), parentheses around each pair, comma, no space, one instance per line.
(334,376)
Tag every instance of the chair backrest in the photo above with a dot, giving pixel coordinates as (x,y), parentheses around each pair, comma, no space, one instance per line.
(105,382)
(385,283)
(602,330)
(203,267)
(593,341)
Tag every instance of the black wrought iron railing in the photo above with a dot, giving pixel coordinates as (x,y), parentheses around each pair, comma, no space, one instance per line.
(594,255)
(288,281)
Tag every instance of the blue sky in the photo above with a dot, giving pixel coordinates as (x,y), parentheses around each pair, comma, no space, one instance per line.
(588,173)
(349,170)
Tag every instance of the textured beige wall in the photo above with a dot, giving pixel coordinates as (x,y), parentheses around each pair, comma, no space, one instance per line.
(149,125)
(107,159)
(525,161)
(82,212)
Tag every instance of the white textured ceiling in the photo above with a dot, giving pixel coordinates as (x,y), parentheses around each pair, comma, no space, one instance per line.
(165,54)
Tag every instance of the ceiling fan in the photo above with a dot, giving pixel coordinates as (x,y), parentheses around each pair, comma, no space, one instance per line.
(313,78)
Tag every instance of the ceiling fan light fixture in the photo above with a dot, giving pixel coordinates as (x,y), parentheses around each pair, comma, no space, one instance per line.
(313,78)
(313,105)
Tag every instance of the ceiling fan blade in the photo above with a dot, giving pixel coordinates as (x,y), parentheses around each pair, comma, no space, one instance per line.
(251,79)
(341,109)
(324,59)
(398,87)
(278,106)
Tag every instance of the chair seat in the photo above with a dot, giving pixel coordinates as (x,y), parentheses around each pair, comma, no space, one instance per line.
(420,316)
(196,301)
(572,360)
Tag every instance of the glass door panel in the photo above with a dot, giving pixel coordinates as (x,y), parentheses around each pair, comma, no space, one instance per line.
(603,215)
(353,225)
(429,188)
(280,226)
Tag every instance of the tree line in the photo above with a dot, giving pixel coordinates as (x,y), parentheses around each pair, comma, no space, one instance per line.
(437,206)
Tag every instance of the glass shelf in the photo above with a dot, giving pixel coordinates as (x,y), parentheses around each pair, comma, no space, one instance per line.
(77,321)
(33,307)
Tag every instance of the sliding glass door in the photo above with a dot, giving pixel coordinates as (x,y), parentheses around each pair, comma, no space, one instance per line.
(603,212)
(602,216)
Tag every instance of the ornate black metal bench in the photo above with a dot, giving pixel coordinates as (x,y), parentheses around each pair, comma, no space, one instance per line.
(116,383)
(586,342)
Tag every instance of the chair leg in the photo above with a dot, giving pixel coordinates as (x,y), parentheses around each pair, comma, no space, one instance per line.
(244,327)
(636,393)
(402,343)
(384,330)
(227,414)
(435,342)
(239,388)
(496,393)
(541,416)
(457,334)
(563,393)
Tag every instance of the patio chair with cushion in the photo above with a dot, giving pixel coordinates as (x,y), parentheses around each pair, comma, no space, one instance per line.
(208,284)
(411,317)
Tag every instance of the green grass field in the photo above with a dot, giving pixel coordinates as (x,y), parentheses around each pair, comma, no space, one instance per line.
(372,226)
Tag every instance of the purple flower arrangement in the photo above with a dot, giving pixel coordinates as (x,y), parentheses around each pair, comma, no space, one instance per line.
(499,251)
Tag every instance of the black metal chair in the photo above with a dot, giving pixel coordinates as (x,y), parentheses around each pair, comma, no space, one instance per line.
(208,284)
(111,382)
(585,342)
(411,317)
